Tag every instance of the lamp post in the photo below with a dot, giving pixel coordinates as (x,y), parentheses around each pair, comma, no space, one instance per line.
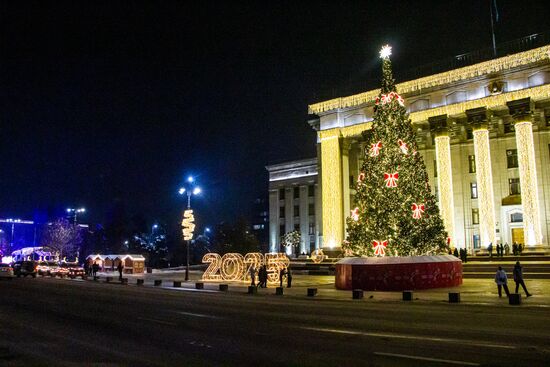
(75,212)
(187,223)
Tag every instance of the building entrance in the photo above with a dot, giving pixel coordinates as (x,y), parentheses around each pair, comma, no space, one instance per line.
(517,235)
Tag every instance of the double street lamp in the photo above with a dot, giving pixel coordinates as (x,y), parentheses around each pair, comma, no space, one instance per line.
(188,218)
(75,212)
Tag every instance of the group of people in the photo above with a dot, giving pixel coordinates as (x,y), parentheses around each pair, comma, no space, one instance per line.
(91,270)
(517,249)
(501,279)
(462,254)
(262,276)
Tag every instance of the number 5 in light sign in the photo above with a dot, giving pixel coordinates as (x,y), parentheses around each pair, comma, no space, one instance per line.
(188,225)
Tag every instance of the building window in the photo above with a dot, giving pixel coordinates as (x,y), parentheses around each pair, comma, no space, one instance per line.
(473,190)
(436,193)
(516,217)
(311,229)
(469,134)
(281,194)
(297,227)
(281,212)
(475,216)
(513,185)
(296,210)
(311,209)
(472,163)
(258,227)
(435,168)
(512,158)
(477,242)
(311,190)
(281,230)
(296,193)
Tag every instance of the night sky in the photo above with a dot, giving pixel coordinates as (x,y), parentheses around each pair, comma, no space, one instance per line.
(110,104)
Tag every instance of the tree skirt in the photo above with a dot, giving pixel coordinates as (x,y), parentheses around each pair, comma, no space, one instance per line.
(398,273)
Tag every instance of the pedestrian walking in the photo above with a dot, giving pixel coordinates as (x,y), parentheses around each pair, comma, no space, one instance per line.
(518,279)
(490,249)
(515,248)
(465,256)
(521,247)
(95,269)
(288,278)
(120,268)
(502,281)
(282,274)
(506,249)
(252,273)
(262,277)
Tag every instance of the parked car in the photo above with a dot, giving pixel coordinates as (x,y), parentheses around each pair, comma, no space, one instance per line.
(25,268)
(6,271)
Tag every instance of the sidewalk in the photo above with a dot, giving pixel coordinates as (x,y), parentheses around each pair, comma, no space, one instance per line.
(473,291)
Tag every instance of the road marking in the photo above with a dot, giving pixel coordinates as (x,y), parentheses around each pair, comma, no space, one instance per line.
(412,337)
(198,315)
(157,321)
(448,361)
(182,289)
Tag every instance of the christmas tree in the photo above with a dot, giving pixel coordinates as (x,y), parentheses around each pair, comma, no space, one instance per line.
(396,213)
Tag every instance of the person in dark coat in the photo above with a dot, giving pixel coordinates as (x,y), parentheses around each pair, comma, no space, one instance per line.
(502,281)
(262,277)
(288,278)
(490,249)
(95,269)
(514,248)
(120,268)
(455,252)
(518,278)
(282,274)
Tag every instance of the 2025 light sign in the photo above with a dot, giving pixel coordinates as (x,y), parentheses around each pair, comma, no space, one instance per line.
(236,267)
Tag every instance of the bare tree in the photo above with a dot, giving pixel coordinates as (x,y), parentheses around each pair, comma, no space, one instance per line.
(62,237)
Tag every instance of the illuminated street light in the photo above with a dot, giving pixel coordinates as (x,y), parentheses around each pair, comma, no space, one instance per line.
(188,218)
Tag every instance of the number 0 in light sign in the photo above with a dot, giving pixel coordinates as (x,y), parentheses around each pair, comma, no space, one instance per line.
(233,266)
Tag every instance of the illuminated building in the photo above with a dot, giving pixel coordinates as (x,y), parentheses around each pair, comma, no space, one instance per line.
(484,134)
(294,204)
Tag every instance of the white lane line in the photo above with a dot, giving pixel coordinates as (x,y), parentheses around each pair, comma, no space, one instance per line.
(157,321)
(448,361)
(182,289)
(411,337)
(198,315)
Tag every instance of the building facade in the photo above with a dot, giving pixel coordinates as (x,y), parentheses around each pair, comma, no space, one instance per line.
(484,134)
(294,204)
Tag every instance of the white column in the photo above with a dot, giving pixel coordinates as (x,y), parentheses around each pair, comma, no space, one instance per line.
(445,183)
(485,187)
(274,220)
(528,181)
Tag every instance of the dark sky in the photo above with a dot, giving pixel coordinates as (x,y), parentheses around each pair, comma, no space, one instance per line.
(107,102)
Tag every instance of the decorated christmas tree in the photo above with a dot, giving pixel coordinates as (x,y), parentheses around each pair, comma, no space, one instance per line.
(395,212)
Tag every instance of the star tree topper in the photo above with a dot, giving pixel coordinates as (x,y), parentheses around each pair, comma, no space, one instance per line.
(385,52)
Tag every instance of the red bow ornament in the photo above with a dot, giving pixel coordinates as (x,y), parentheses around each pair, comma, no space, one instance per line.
(391,179)
(355,214)
(379,247)
(417,210)
(375,149)
(403,146)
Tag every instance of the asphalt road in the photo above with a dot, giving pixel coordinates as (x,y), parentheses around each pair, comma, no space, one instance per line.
(47,322)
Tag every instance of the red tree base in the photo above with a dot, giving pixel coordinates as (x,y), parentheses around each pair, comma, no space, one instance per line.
(398,273)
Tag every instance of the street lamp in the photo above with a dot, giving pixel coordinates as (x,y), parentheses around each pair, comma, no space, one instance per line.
(75,212)
(188,218)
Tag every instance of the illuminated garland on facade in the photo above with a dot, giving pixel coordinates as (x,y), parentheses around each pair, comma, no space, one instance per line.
(331,166)
(449,77)
(485,187)
(445,183)
(528,180)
